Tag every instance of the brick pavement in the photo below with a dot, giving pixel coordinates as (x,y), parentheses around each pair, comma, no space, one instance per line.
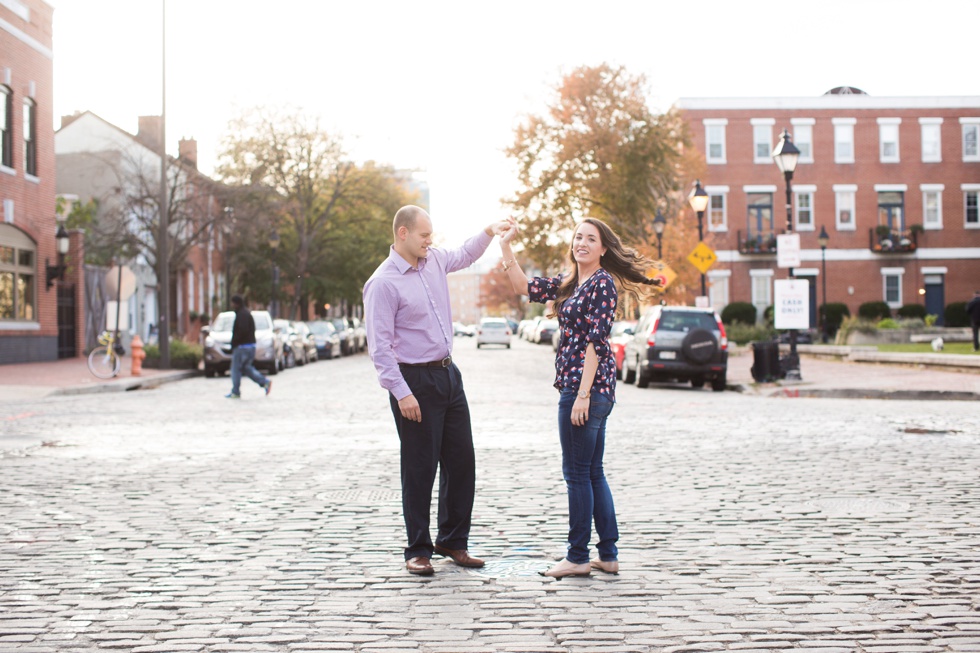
(169,519)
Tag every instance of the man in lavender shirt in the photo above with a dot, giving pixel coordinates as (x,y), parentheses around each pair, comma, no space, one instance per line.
(410,339)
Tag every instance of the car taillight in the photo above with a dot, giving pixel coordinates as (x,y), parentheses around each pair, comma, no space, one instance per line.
(723,341)
(506,332)
(652,339)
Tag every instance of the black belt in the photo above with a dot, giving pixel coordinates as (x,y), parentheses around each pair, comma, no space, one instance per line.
(445,362)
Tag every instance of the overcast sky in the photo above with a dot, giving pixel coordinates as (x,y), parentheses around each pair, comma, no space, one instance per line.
(439,86)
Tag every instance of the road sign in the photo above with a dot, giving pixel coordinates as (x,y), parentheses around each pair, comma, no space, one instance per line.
(791,309)
(112,278)
(788,250)
(703,257)
(662,271)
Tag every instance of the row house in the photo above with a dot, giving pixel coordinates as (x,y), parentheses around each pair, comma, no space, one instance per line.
(39,259)
(892,182)
(97,160)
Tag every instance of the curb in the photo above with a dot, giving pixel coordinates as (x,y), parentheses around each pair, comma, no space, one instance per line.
(793,392)
(125,385)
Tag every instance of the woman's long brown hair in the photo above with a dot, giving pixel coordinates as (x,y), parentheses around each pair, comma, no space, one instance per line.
(625,264)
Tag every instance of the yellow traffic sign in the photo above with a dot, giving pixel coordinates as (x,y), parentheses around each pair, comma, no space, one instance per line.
(662,271)
(703,257)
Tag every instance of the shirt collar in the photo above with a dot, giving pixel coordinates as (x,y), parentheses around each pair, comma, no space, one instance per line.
(400,263)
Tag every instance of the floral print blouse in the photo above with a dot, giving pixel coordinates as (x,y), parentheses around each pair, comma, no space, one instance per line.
(585,317)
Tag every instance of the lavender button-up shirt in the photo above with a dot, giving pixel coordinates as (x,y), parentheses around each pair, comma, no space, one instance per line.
(407,311)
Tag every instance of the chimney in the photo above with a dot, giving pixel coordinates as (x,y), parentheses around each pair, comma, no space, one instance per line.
(150,128)
(67,120)
(187,151)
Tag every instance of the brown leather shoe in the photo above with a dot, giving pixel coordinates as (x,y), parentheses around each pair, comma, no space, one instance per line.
(420,566)
(460,556)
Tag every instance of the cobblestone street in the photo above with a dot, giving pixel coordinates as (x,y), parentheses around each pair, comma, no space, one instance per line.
(172,519)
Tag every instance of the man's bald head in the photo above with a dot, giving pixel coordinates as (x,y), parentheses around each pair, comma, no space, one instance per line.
(407,217)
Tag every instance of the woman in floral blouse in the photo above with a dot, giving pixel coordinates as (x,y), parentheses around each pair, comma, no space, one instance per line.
(585,303)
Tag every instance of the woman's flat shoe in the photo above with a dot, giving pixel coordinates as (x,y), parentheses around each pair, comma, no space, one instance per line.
(566,568)
(608,566)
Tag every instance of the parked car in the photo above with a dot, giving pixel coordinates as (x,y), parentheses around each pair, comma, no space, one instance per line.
(326,339)
(309,342)
(527,333)
(621,332)
(359,333)
(493,331)
(677,343)
(217,344)
(294,349)
(544,330)
(460,329)
(346,333)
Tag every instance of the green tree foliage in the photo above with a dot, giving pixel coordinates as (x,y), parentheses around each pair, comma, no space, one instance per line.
(332,215)
(599,151)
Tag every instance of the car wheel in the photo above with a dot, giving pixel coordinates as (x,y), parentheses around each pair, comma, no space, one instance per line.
(719,384)
(210,372)
(697,383)
(619,374)
(699,346)
(642,376)
(272,371)
(478,345)
(629,376)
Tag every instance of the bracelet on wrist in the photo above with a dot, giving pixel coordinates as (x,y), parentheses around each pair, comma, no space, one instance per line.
(507,265)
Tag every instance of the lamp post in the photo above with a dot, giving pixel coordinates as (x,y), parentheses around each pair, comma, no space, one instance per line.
(659,223)
(823,239)
(56,272)
(786,156)
(274,245)
(699,202)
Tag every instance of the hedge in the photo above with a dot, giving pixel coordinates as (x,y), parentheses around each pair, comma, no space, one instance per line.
(742,312)
(874,311)
(955,315)
(912,310)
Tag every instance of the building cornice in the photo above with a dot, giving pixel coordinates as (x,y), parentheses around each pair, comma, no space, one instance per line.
(830,102)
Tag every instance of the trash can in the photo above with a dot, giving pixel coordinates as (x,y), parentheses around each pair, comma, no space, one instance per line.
(765,361)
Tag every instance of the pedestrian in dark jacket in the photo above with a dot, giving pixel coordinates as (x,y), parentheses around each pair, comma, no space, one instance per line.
(243,350)
(973,310)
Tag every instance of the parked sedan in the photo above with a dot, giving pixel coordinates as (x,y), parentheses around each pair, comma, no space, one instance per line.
(294,347)
(217,344)
(493,331)
(326,339)
(348,344)
(544,330)
(309,342)
(621,332)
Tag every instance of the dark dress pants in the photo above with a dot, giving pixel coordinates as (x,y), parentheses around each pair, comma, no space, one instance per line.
(443,440)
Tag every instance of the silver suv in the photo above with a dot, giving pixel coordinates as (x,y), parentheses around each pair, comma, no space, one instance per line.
(677,343)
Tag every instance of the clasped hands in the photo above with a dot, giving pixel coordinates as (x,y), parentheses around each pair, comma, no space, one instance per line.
(506,229)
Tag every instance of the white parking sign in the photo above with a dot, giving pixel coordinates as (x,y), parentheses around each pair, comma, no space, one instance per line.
(792,307)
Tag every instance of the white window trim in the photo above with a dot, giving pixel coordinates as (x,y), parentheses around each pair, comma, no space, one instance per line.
(892,272)
(891,188)
(716,122)
(762,122)
(970,188)
(761,273)
(845,188)
(938,189)
(923,124)
(837,122)
(934,270)
(765,188)
(888,122)
(804,189)
(963,123)
(723,191)
(804,122)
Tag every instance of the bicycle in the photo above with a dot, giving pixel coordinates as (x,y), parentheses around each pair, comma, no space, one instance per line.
(105,361)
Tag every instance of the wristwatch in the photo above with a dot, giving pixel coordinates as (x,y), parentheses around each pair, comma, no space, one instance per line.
(584,394)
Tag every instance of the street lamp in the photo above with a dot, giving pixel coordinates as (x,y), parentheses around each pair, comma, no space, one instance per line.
(56,272)
(786,155)
(699,202)
(823,239)
(274,245)
(659,223)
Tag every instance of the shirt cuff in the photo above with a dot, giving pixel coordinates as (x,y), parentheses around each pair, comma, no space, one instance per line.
(400,391)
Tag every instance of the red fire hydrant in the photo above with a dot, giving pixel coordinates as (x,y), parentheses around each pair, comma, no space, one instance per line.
(138,355)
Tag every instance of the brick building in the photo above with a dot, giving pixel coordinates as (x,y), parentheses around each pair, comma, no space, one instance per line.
(37,292)
(894,182)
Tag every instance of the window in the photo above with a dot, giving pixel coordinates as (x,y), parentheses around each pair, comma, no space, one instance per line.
(714,131)
(762,139)
(844,140)
(891,208)
(6,127)
(760,216)
(932,150)
(971,219)
(845,206)
(761,291)
(971,136)
(718,288)
(17,275)
(932,206)
(717,207)
(804,207)
(803,138)
(891,281)
(30,137)
(888,139)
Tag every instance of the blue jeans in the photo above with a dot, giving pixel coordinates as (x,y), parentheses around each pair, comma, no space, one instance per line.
(589,497)
(241,363)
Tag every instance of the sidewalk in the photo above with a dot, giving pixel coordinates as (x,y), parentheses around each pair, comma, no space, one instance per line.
(25,381)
